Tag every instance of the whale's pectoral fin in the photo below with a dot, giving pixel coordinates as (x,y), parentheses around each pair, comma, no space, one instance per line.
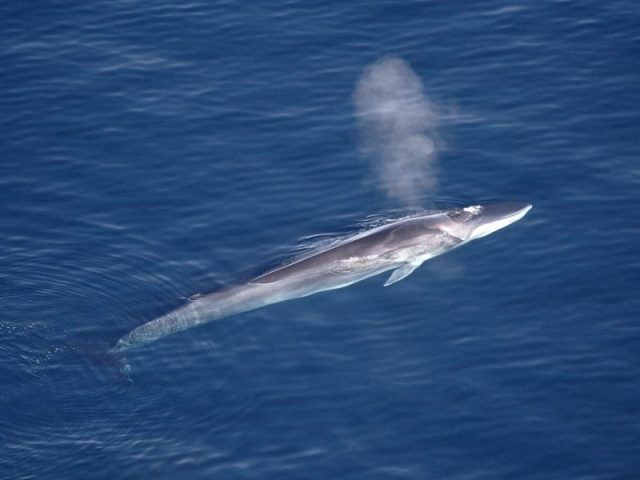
(401,272)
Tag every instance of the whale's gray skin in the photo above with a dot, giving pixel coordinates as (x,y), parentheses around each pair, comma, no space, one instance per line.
(400,246)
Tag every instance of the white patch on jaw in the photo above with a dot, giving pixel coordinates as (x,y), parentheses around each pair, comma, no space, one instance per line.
(473,209)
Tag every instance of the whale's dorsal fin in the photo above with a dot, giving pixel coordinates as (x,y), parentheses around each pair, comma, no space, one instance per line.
(401,272)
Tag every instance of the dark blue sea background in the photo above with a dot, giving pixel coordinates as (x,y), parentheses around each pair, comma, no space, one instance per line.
(153,150)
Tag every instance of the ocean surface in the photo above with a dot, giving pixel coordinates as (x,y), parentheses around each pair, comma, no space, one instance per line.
(153,150)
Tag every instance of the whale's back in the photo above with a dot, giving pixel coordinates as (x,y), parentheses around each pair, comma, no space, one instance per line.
(373,244)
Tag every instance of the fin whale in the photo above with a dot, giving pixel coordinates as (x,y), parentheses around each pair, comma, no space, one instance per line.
(400,247)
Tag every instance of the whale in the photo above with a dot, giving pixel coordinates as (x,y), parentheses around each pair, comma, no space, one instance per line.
(399,246)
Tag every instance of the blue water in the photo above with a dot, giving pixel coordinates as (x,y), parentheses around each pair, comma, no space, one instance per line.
(152,150)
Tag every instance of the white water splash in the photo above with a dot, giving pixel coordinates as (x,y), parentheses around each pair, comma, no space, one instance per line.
(398,126)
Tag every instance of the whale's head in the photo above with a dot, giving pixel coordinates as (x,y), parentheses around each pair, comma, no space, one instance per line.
(478,221)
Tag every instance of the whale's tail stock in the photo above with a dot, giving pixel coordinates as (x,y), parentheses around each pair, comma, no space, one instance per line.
(186,316)
(199,310)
